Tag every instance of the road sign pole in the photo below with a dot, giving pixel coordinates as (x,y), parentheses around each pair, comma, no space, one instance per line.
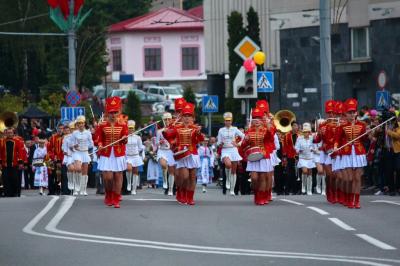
(248,109)
(209,124)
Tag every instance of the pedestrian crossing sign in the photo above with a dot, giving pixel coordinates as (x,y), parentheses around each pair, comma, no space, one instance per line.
(210,104)
(382,100)
(265,81)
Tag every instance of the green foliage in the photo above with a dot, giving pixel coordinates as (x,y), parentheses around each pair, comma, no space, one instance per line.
(188,4)
(52,104)
(132,108)
(11,103)
(253,26)
(236,33)
(189,95)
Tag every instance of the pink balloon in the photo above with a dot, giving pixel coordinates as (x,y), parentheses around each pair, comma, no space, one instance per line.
(249,64)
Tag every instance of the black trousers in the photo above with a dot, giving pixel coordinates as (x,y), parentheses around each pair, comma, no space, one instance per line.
(280,179)
(388,169)
(11,182)
(64,181)
(291,183)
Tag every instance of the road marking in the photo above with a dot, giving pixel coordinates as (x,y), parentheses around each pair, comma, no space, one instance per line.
(67,204)
(318,210)
(375,242)
(341,224)
(386,201)
(293,202)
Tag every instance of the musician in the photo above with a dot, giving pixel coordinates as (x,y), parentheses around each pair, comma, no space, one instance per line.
(229,139)
(56,156)
(290,157)
(68,161)
(257,137)
(320,178)
(305,148)
(165,156)
(81,141)
(39,167)
(340,180)
(112,161)
(134,159)
(326,135)
(187,136)
(354,154)
(12,158)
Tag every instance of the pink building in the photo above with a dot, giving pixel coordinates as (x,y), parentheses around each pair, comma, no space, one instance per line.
(166,46)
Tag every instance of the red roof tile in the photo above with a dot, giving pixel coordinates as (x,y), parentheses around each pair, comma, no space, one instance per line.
(197,11)
(166,19)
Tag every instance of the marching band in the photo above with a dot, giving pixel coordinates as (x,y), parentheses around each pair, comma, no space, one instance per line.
(334,151)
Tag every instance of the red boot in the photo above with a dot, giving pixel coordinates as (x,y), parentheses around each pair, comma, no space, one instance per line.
(117,200)
(178,194)
(269,193)
(255,197)
(357,201)
(351,201)
(189,197)
(108,198)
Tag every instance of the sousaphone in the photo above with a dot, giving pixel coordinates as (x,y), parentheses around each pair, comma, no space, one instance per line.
(283,120)
(8,119)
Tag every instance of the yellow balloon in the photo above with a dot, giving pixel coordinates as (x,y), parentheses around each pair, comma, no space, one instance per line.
(259,58)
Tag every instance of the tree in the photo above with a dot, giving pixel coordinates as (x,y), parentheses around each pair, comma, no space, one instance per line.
(188,4)
(189,95)
(11,103)
(236,33)
(253,26)
(52,103)
(132,108)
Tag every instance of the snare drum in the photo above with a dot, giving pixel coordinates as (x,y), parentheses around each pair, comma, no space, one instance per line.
(182,154)
(254,154)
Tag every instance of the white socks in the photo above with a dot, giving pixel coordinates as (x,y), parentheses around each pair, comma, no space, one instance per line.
(70,178)
(323,185)
(77,179)
(309,185)
(165,180)
(129,180)
(83,183)
(135,179)
(319,180)
(303,183)
(228,178)
(233,183)
(171,180)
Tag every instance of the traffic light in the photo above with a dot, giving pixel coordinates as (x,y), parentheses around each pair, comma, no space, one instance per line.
(245,84)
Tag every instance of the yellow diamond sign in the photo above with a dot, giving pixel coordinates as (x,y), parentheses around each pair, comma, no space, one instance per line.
(246,48)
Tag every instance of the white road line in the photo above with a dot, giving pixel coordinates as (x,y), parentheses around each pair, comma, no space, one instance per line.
(318,210)
(195,249)
(375,242)
(293,202)
(341,224)
(386,201)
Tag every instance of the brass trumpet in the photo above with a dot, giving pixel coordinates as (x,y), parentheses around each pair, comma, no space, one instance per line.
(283,120)
(8,119)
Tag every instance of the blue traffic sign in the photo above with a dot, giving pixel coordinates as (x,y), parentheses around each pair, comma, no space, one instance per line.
(382,100)
(265,81)
(73,98)
(210,104)
(71,113)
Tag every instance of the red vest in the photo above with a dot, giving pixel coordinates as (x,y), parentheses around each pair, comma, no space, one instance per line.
(17,152)
(54,148)
(107,134)
(348,132)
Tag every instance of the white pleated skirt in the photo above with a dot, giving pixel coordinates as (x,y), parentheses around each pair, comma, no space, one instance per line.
(135,160)
(353,160)
(337,163)
(167,155)
(82,156)
(303,163)
(262,166)
(112,163)
(231,153)
(275,159)
(317,157)
(68,160)
(190,162)
(325,158)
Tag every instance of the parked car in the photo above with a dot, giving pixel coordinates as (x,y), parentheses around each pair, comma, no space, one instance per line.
(162,92)
(143,97)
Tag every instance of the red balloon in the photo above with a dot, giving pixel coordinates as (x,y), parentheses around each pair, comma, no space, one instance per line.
(64,6)
(249,65)
(77,6)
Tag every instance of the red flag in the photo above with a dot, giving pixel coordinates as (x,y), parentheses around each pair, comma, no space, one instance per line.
(53,3)
(64,6)
(77,6)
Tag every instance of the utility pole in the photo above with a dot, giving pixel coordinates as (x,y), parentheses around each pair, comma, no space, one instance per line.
(72,50)
(325,51)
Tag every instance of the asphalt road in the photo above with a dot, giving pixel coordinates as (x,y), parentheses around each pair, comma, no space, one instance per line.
(152,229)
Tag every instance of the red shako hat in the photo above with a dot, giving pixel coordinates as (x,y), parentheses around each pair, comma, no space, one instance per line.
(179,103)
(257,113)
(351,105)
(113,104)
(329,106)
(263,104)
(188,109)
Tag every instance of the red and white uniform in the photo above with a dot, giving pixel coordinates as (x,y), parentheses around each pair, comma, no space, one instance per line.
(163,140)
(187,138)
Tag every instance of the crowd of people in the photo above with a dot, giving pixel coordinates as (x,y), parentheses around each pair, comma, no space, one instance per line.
(335,156)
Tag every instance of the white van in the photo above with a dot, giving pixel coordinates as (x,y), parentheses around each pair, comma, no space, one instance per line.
(162,92)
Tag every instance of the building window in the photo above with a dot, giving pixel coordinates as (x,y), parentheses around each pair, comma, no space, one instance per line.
(359,43)
(152,59)
(190,58)
(116,60)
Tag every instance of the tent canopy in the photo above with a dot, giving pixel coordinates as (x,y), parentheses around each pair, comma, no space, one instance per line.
(34,112)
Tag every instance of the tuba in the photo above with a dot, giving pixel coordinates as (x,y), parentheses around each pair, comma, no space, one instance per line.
(283,120)
(8,119)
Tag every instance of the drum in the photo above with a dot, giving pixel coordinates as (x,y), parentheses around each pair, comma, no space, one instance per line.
(38,162)
(254,154)
(182,154)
